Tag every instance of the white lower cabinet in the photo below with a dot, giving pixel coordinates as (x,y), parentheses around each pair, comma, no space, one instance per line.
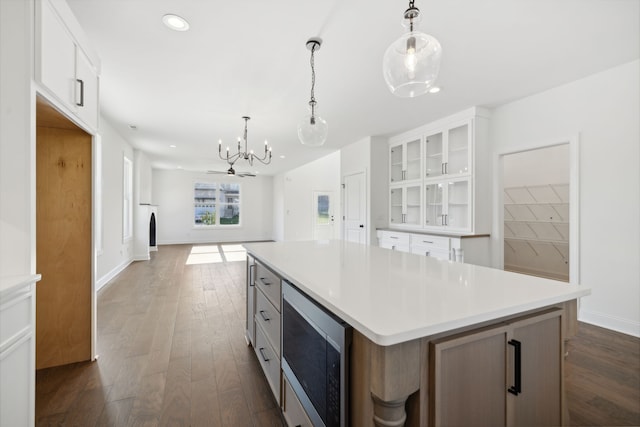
(292,409)
(17,352)
(396,241)
(263,320)
(472,249)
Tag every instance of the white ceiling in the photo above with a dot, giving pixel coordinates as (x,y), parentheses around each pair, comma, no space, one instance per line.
(249,58)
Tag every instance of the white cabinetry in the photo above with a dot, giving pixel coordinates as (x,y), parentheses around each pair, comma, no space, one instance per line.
(405,160)
(395,241)
(17,351)
(473,249)
(405,205)
(66,71)
(267,324)
(456,175)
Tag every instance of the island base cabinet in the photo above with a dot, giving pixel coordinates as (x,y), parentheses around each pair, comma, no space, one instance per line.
(505,375)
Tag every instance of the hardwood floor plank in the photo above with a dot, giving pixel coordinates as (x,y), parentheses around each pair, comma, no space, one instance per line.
(176,405)
(115,414)
(205,409)
(147,404)
(233,408)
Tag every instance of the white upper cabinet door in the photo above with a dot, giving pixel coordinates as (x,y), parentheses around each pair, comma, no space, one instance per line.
(405,161)
(448,152)
(57,55)
(86,90)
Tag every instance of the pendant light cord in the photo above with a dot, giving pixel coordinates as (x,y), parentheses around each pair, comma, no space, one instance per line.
(312,102)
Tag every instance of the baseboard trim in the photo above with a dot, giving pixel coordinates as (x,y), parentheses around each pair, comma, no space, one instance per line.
(100,283)
(614,323)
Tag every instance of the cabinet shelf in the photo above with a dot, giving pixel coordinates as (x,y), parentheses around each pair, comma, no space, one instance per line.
(538,221)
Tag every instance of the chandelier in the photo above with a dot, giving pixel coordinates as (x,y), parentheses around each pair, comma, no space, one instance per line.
(313,129)
(249,156)
(411,64)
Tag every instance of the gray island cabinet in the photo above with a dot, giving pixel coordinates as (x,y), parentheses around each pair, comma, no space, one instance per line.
(435,343)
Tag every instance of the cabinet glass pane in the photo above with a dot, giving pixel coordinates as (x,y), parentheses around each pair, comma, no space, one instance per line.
(433,155)
(458,150)
(413,205)
(395,157)
(395,211)
(458,204)
(433,204)
(413,160)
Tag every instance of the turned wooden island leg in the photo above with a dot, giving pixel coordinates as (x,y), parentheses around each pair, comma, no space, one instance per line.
(382,380)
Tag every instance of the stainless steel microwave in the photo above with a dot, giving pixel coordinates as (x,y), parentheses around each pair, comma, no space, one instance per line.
(316,346)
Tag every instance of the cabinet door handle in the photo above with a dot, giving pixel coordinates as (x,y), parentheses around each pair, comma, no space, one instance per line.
(393,237)
(442,168)
(263,282)
(404,218)
(446,168)
(427,253)
(426,241)
(252,269)
(264,317)
(517,387)
(81,103)
(265,358)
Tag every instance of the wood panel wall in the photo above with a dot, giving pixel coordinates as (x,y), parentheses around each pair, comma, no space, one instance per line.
(63,241)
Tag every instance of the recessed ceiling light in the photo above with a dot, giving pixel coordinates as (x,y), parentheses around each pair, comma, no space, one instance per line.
(133,127)
(434,89)
(179,167)
(172,146)
(175,22)
(282,156)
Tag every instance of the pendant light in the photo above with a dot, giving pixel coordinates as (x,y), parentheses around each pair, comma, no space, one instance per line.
(410,65)
(313,129)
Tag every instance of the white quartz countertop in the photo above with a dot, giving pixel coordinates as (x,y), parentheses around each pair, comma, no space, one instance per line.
(393,297)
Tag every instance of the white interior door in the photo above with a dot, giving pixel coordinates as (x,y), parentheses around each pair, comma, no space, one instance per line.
(323,215)
(355,208)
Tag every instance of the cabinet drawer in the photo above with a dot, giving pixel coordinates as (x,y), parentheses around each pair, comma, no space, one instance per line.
(292,409)
(430,251)
(395,237)
(15,315)
(269,283)
(432,242)
(269,361)
(269,319)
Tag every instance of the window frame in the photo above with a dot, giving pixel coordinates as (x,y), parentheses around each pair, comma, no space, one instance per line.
(218,204)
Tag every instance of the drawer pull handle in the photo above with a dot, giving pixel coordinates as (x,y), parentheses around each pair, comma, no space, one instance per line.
(263,282)
(264,317)
(426,241)
(252,269)
(517,387)
(265,358)
(393,237)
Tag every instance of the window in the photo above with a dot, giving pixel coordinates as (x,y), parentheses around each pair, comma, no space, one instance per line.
(216,204)
(127,199)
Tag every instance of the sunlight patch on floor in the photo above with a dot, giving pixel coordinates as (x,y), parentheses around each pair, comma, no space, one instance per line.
(214,254)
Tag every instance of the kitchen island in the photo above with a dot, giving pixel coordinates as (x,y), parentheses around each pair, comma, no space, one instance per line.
(431,338)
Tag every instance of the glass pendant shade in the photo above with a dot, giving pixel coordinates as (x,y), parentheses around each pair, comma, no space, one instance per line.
(411,64)
(313,130)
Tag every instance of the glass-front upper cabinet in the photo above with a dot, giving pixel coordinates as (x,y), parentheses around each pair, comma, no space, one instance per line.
(448,204)
(405,205)
(448,152)
(405,161)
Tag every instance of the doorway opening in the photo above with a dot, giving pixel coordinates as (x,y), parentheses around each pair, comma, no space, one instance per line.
(539,212)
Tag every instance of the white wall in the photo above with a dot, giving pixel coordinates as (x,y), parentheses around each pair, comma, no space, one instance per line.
(603,110)
(543,166)
(116,254)
(298,186)
(370,155)
(173,193)
(278,208)
(17,140)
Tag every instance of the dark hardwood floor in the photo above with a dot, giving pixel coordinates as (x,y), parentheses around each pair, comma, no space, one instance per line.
(172,352)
